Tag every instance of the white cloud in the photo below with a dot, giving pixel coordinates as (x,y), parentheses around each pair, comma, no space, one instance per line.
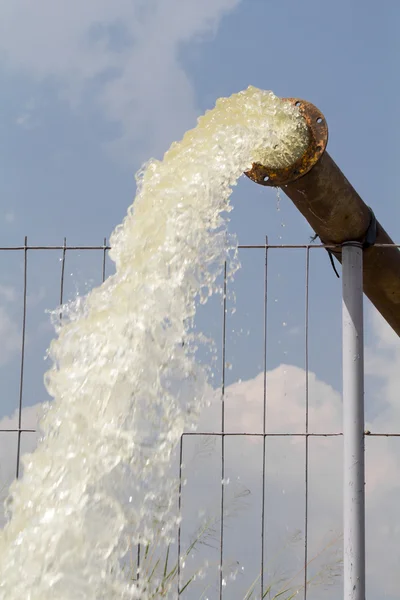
(7,293)
(285,469)
(36,297)
(285,465)
(9,334)
(382,361)
(126,50)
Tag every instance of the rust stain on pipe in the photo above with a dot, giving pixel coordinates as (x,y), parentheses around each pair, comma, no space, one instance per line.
(337,213)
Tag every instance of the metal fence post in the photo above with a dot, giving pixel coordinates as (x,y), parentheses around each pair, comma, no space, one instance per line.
(353,422)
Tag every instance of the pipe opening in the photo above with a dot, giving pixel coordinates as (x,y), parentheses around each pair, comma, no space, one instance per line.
(270,175)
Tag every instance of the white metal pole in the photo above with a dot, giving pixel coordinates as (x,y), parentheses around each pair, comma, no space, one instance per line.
(353,422)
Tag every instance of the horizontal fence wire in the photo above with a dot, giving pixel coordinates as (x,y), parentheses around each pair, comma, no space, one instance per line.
(240,247)
(221,434)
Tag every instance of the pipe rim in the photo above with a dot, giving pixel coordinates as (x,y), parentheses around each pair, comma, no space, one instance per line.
(318,135)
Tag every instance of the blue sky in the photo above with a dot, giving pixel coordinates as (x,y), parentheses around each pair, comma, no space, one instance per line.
(95,93)
(92,90)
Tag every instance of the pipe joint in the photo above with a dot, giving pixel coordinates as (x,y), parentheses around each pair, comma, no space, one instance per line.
(353,244)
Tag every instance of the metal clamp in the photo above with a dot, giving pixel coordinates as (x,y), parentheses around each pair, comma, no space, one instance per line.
(369,239)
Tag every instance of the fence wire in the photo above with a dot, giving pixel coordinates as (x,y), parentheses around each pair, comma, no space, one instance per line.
(220,433)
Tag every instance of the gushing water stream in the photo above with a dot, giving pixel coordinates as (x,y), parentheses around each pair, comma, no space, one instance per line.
(124,385)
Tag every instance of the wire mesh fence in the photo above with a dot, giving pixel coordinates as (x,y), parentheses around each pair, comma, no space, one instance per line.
(235,438)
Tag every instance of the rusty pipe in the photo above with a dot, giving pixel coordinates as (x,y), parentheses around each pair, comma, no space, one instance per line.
(337,213)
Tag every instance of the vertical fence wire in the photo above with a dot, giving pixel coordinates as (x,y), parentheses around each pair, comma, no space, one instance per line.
(179,514)
(63,257)
(22,365)
(103,271)
(221,554)
(306,485)
(138,563)
(265,318)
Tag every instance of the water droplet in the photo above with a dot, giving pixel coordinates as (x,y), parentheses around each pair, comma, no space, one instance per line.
(278,200)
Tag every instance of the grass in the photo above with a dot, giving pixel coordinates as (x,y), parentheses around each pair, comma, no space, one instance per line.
(158,576)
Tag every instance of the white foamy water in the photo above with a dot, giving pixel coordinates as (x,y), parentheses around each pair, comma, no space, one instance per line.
(124,385)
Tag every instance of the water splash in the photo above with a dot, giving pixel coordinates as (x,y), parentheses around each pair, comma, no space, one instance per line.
(124,384)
